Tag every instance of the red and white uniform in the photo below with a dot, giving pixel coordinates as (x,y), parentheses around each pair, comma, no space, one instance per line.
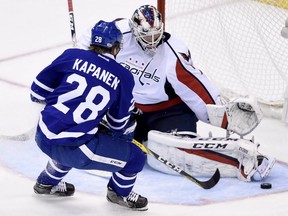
(163,83)
(165,79)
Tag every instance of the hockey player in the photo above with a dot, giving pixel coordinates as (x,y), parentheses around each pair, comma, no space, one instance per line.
(173,95)
(78,89)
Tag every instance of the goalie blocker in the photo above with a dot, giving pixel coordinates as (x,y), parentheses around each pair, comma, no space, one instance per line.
(199,156)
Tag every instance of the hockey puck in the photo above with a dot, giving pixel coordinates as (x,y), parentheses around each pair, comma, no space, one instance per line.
(266,186)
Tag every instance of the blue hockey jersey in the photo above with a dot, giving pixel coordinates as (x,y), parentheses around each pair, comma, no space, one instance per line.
(79,88)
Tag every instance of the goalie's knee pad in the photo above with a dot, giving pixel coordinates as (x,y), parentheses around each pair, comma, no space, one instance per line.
(201,156)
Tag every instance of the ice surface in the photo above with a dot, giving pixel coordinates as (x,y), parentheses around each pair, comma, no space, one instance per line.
(33,33)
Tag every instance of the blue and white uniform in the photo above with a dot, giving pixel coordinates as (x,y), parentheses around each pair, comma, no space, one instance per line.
(79,88)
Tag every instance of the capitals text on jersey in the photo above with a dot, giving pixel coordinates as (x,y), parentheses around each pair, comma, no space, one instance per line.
(103,75)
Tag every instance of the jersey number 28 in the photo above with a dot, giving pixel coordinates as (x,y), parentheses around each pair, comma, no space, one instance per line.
(87,104)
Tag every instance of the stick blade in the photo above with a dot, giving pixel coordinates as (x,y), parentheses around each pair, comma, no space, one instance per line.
(211,182)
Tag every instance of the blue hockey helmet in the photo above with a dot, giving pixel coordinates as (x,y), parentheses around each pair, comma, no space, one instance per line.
(106,34)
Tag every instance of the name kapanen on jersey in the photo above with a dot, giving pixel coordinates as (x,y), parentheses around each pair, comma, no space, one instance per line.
(141,73)
(101,74)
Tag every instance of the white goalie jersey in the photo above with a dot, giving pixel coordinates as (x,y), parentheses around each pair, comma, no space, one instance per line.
(153,73)
(191,86)
(200,156)
(150,92)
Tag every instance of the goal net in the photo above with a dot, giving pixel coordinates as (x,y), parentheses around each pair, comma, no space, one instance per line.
(237,44)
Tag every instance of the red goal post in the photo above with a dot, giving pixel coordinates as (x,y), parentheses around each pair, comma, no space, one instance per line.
(161,8)
(237,44)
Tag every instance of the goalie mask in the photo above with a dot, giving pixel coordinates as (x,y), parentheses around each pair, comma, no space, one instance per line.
(147,26)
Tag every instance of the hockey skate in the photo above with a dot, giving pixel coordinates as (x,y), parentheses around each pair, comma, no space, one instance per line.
(265,165)
(62,189)
(133,200)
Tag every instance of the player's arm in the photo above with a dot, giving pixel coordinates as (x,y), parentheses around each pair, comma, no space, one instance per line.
(41,86)
(198,92)
(190,84)
(48,79)
(118,116)
(117,119)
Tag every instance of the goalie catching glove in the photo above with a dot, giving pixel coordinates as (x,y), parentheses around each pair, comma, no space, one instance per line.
(240,116)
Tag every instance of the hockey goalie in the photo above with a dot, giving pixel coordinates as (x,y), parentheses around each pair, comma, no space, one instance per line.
(200,156)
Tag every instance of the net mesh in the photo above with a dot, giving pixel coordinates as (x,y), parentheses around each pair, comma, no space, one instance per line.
(237,44)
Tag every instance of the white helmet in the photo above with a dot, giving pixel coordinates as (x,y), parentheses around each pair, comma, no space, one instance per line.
(147,26)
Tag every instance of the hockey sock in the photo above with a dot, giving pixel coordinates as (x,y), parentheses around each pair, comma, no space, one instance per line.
(122,184)
(53,173)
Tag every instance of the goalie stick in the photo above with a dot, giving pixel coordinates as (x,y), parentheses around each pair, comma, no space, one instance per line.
(204,184)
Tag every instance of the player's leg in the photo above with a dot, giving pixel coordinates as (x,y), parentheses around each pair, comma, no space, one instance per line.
(110,153)
(122,182)
(125,160)
(179,117)
(103,152)
(199,156)
(176,122)
(50,180)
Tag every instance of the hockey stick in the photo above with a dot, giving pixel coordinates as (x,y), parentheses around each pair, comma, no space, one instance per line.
(204,184)
(72,23)
(20,137)
(100,173)
(27,135)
